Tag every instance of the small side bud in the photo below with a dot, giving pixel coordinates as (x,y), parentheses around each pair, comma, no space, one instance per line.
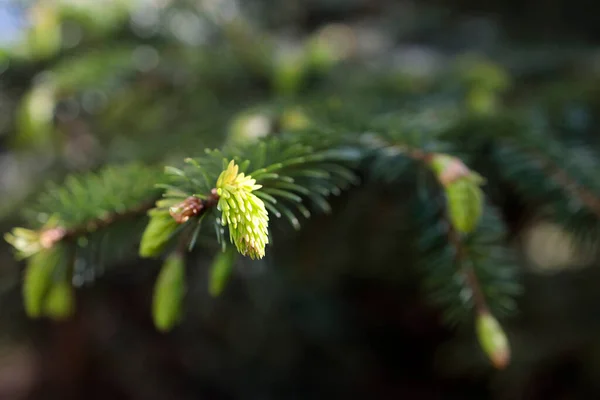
(493,340)
(220,271)
(157,234)
(465,205)
(464,196)
(38,279)
(169,291)
(60,301)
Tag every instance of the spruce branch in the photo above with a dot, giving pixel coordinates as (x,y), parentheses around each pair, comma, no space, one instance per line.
(271,176)
(453,231)
(49,237)
(455,255)
(490,334)
(558,180)
(85,204)
(545,169)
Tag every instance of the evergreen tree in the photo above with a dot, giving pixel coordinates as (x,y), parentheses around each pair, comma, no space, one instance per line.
(217,144)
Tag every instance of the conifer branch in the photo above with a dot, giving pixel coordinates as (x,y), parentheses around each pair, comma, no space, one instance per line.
(542,174)
(450,170)
(394,147)
(106,221)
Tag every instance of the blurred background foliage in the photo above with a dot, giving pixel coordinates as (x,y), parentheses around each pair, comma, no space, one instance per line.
(337,311)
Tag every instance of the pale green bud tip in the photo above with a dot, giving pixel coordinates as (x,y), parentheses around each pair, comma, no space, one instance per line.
(243,212)
(463,193)
(493,340)
(26,242)
(449,169)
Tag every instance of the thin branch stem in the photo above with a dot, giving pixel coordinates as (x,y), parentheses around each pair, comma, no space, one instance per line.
(51,236)
(588,198)
(411,152)
(560,176)
(472,281)
(109,220)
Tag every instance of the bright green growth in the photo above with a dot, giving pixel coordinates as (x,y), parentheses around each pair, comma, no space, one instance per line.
(85,199)
(169,291)
(38,279)
(493,340)
(158,233)
(243,212)
(464,197)
(60,302)
(220,271)
(465,204)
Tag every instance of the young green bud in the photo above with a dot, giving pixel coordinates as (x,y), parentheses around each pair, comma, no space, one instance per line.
(38,278)
(221,270)
(464,197)
(169,291)
(465,205)
(493,340)
(60,301)
(157,234)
